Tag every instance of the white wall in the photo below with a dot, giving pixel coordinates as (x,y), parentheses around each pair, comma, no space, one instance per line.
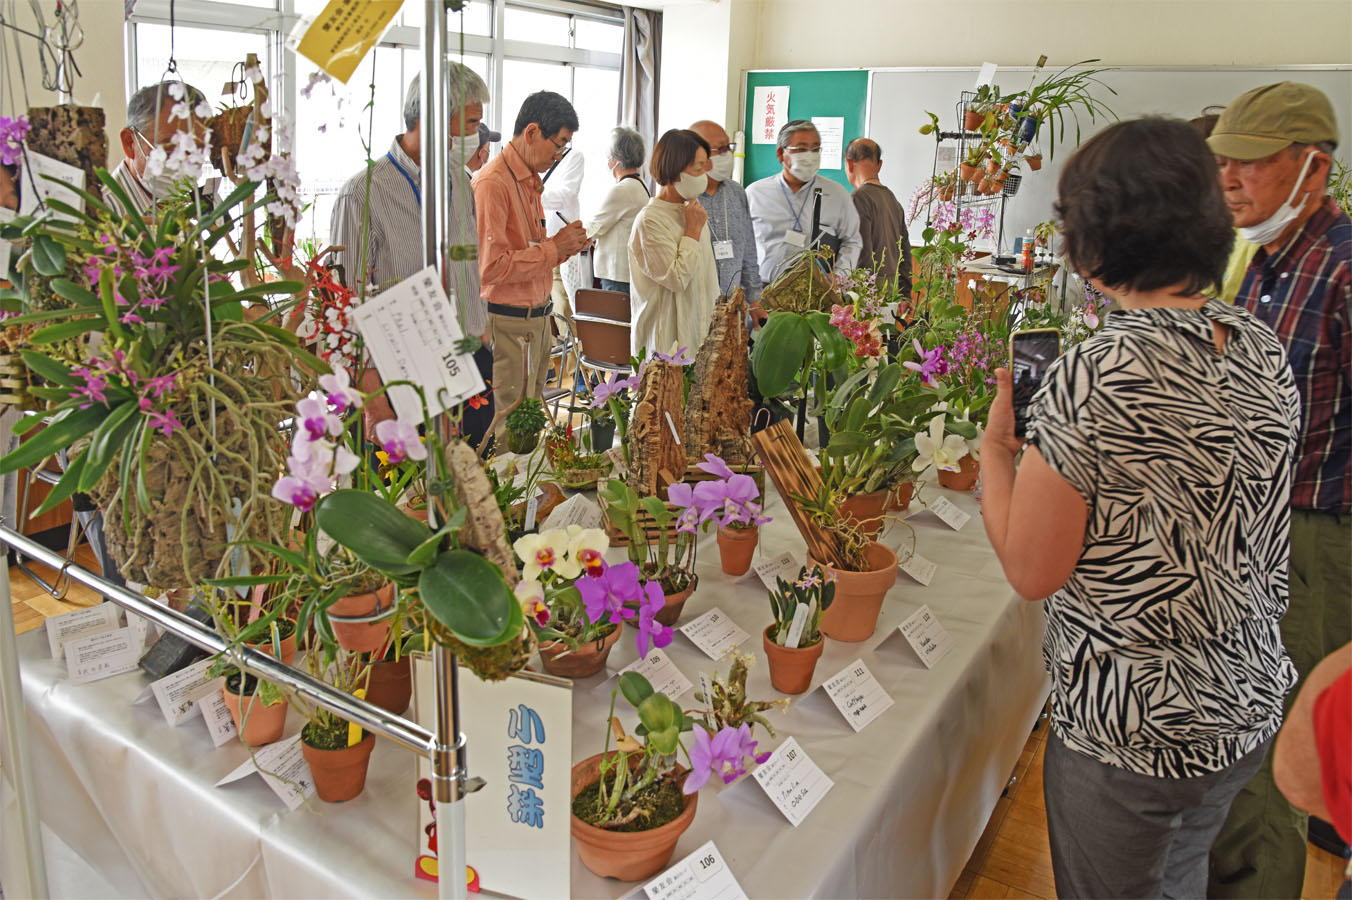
(101,60)
(695,63)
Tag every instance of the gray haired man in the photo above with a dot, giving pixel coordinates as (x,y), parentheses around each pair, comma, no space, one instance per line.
(150,126)
(385,246)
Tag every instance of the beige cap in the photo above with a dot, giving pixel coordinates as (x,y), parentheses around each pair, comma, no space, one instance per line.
(1269,118)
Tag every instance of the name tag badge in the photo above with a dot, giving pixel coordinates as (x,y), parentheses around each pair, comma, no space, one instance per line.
(723,250)
(795,239)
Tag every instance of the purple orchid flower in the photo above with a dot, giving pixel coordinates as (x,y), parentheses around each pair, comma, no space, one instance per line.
(400,441)
(723,754)
(649,629)
(165,421)
(339,392)
(605,594)
(930,365)
(316,419)
(714,465)
(611,387)
(681,357)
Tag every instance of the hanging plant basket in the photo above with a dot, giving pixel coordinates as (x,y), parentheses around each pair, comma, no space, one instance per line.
(14,382)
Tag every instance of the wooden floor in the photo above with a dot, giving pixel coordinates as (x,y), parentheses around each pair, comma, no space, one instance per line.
(1012,858)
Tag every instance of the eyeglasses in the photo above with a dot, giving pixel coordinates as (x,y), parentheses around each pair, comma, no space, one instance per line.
(815,149)
(560,148)
(726,148)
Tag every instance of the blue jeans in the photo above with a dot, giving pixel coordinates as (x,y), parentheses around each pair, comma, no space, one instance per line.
(621,286)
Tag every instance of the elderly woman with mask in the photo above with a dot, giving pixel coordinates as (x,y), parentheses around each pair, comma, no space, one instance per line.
(671,259)
(610,225)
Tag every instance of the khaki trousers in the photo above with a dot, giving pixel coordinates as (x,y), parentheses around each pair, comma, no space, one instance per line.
(520,363)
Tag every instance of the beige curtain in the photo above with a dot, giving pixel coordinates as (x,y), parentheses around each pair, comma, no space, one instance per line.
(640,67)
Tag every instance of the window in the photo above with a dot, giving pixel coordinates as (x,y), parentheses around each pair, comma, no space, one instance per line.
(206,57)
(537,27)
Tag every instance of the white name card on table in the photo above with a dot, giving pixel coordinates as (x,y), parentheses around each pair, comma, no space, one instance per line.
(703,875)
(578,509)
(220,724)
(178,693)
(94,657)
(661,673)
(282,767)
(81,622)
(35,186)
(857,694)
(792,781)
(715,633)
(919,568)
(411,330)
(782,566)
(930,640)
(949,514)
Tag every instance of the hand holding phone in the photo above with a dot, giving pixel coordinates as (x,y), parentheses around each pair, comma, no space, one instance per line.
(1031,353)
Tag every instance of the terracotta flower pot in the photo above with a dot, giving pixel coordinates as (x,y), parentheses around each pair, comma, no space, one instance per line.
(853,614)
(626,855)
(391,685)
(791,668)
(962,480)
(972,119)
(992,167)
(1034,162)
(339,774)
(586,660)
(736,546)
(363,637)
(264,645)
(967,172)
(256,724)
(675,603)
(866,511)
(901,495)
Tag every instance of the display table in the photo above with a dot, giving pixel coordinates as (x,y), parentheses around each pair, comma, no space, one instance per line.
(913,791)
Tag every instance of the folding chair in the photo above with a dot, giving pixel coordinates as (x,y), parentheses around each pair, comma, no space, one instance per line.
(61,583)
(601,322)
(565,343)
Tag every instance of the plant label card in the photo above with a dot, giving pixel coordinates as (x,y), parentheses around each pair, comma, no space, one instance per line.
(67,626)
(578,509)
(930,640)
(661,673)
(781,566)
(37,187)
(715,633)
(177,694)
(919,568)
(949,514)
(217,716)
(283,768)
(343,33)
(411,331)
(703,875)
(857,694)
(986,75)
(617,460)
(93,657)
(793,781)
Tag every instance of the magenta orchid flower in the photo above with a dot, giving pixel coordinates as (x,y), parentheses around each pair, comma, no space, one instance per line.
(165,421)
(723,754)
(649,629)
(400,441)
(615,595)
(316,420)
(339,392)
(931,362)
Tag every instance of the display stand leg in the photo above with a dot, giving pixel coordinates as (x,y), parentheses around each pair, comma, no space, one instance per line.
(17,759)
(448,779)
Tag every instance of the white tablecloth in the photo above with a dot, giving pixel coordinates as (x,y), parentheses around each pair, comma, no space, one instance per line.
(912,793)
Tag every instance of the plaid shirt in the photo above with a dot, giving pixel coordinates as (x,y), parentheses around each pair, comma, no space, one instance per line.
(1303,292)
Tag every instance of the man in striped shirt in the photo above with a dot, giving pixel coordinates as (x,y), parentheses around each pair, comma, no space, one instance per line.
(150,125)
(1274,146)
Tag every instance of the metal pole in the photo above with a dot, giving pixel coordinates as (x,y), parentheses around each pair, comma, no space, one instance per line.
(449,774)
(376,720)
(16,746)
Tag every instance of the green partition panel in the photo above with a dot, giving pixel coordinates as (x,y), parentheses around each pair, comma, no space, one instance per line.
(841,93)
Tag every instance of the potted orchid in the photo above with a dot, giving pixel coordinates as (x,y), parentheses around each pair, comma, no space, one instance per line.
(575,467)
(794,641)
(728,704)
(607,407)
(952,445)
(577,604)
(661,538)
(730,500)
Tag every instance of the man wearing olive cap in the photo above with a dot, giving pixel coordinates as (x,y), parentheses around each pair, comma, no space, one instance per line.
(1274,147)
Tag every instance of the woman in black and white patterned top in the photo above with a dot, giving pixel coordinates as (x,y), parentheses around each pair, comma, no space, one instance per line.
(1151,509)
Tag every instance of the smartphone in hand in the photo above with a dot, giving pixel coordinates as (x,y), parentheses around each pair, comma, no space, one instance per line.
(1030,354)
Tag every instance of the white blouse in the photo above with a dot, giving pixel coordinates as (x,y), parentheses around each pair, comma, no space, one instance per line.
(673,281)
(610,226)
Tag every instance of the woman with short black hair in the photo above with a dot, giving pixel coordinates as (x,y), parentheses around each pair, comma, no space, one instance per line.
(1152,509)
(673,276)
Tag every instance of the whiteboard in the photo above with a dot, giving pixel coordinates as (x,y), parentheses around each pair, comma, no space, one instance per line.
(898,99)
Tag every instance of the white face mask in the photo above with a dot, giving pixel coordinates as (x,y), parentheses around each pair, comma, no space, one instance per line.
(691,186)
(721,167)
(461,151)
(1270,229)
(804,166)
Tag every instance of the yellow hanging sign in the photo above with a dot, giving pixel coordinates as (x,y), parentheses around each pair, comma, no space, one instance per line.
(340,37)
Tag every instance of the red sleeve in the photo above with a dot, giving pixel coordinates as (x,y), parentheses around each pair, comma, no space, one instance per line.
(1333,740)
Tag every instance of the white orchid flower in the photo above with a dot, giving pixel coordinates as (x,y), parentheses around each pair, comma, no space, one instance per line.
(546,552)
(580,539)
(934,449)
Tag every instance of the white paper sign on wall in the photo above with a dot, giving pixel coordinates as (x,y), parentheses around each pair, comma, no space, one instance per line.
(520,734)
(769,112)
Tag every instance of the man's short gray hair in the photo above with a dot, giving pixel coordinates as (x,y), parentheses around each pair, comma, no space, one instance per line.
(145,103)
(463,87)
(792,128)
(626,146)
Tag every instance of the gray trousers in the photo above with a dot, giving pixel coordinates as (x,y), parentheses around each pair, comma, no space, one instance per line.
(1116,833)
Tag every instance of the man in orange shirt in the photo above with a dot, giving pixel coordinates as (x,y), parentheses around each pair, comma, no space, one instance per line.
(516,259)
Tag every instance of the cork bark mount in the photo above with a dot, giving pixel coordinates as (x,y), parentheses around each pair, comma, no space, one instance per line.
(74,135)
(718,410)
(656,444)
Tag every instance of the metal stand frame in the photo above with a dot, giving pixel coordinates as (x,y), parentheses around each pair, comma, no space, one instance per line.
(444,747)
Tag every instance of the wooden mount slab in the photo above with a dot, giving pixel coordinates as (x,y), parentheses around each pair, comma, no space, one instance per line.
(794,474)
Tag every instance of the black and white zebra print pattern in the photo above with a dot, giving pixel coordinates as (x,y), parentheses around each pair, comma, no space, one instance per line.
(1163,647)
